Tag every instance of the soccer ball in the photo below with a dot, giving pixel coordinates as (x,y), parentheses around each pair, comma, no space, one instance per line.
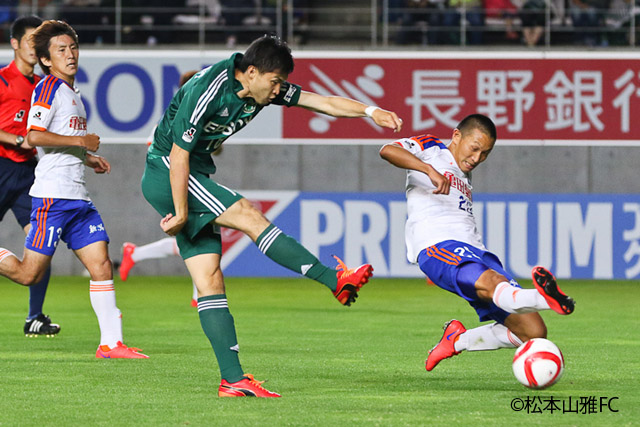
(538,363)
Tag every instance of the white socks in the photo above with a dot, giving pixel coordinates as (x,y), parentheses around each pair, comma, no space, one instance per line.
(516,300)
(494,336)
(160,249)
(103,301)
(195,292)
(487,337)
(5,253)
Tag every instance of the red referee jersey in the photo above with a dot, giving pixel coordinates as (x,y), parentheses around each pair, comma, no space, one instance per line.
(15,101)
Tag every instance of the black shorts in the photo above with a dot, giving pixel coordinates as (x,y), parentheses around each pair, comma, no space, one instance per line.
(16,178)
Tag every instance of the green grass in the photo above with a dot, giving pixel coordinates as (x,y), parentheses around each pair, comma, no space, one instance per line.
(333,365)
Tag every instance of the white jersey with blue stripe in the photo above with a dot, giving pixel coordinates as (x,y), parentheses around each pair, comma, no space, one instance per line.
(434,218)
(57,107)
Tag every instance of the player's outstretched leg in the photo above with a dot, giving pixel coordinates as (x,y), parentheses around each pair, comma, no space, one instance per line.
(446,347)
(546,284)
(127,261)
(350,281)
(286,251)
(40,325)
(246,387)
(120,351)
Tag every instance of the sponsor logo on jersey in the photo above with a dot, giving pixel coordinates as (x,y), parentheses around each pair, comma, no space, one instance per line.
(459,184)
(37,115)
(227,129)
(225,112)
(188,135)
(19,116)
(78,123)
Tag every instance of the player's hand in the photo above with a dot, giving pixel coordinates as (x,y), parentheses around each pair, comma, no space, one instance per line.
(172,224)
(387,119)
(98,163)
(91,141)
(441,183)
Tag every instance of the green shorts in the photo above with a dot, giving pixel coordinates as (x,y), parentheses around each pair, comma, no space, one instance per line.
(207,200)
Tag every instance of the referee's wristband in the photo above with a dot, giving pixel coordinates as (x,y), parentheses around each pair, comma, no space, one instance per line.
(369,110)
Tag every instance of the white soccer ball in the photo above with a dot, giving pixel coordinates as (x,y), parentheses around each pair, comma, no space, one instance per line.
(538,363)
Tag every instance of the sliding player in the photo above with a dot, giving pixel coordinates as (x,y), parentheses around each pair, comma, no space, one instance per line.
(442,237)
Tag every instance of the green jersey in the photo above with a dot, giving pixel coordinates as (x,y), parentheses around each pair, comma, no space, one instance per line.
(207,110)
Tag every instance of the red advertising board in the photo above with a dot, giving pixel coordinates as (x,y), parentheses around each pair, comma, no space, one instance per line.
(583,101)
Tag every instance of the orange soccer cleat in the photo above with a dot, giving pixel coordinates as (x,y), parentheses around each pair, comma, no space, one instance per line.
(350,281)
(246,387)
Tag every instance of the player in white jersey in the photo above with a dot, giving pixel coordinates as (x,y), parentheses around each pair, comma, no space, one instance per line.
(61,207)
(442,237)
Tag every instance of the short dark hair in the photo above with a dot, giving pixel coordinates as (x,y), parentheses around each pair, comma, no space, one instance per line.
(41,38)
(20,26)
(268,54)
(478,121)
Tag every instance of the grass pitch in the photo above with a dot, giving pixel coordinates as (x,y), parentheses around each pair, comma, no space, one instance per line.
(362,365)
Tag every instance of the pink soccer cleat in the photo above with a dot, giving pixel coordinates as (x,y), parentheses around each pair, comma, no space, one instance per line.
(120,351)
(127,262)
(446,347)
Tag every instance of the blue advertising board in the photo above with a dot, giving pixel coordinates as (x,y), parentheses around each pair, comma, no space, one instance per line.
(576,236)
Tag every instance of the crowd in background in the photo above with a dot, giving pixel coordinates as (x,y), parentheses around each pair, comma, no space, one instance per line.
(583,22)
(411,22)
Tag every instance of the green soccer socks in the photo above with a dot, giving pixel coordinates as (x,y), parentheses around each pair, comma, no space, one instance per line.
(217,324)
(287,252)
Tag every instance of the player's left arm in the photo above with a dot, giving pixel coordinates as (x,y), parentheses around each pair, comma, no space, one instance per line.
(402,158)
(338,106)
(98,163)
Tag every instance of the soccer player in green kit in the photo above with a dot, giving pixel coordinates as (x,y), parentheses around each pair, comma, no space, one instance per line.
(216,103)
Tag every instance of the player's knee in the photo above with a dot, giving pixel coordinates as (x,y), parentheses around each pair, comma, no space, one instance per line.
(243,216)
(30,277)
(212,283)
(252,221)
(487,282)
(252,213)
(106,267)
(101,269)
